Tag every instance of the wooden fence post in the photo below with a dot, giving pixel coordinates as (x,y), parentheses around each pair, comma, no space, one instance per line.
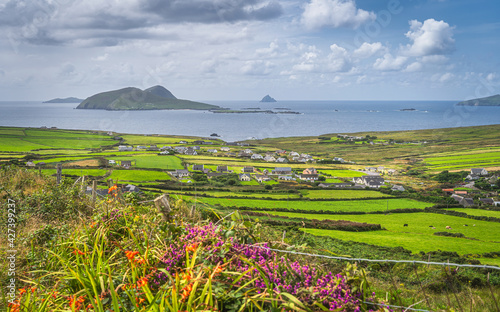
(94,192)
(163,206)
(59,173)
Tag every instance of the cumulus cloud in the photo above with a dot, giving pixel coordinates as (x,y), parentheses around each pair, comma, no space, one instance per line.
(413,67)
(334,13)
(389,62)
(430,38)
(257,67)
(446,77)
(338,59)
(367,50)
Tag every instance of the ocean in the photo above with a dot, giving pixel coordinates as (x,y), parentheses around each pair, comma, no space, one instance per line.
(315,118)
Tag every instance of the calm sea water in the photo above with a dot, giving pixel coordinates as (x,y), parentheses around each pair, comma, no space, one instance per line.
(317,117)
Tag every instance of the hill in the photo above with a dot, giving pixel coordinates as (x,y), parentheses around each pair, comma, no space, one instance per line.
(65,100)
(493,100)
(268,98)
(130,98)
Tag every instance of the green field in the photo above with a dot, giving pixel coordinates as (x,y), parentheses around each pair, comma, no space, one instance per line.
(138,175)
(341,173)
(152,161)
(334,206)
(342,194)
(464,160)
(477,212)
(77,172)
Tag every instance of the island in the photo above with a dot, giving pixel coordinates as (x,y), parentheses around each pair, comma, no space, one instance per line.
(154,98)
(493,100)
(407,110)
(65,100)
(268,99)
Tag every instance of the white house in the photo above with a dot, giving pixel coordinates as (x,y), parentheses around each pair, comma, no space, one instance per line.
(270,158)
(225,149)
(124,148)
(256,156)
(479,171)
(244,177)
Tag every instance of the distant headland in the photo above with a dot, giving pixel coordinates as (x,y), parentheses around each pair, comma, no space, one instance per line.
(267,98)
(65,100)
(493,100)
(154,98)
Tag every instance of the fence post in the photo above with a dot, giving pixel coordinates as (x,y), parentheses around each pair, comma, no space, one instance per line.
(163,206)
(94,193)
(59,173)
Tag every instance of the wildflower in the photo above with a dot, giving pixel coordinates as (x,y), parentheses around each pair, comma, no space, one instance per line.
(131,254)
(192,247)
(218,270)
(22,291)
(142,282)
(140,261)
(113,188)
(33,289)
(186,291)
(76,251)
(14,306)
(76,303)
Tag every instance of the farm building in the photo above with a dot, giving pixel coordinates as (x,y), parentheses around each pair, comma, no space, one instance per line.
(309,177)
(262,178)
(479,171)
(370,181)
(467,202)
(222,169)
(310,171)
(257,156)
(198,167)
(282,171)
(399,188)
(248,169)
(244,177)
(124,148)
(179,173)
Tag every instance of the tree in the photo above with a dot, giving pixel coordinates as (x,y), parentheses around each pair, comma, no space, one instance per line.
(321,178)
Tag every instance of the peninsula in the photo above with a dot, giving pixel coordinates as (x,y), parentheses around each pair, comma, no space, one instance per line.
(493,100)
(65,100)
(154,98)
(268,98)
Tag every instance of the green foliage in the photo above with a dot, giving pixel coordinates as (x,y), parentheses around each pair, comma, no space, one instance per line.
(450,177)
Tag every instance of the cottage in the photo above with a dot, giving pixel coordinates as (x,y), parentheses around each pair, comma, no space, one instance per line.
(198,142)
(153,148)
(286,178)
(282,160)
(198,167)
(210,150)
(371,169)
(479,171)
(244,177)
(248,169)
(182,142)
(248,151)
(180,149)
(456,197)
(391,171)
(310,171)
(225,149)
(370,181)
(341,160)
(180,173)
(467,202)
(124,148)
(243,154)
(222,169)
(257,157)
(164,153)
(262,178)
(309,177)
(30,164)
(487,201)
(142,147)
(270,159)
(282,171)
(196,148)
(472,177)
(190,151)
(294,154)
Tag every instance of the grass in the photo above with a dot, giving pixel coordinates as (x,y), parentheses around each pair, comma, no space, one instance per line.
(249,183)
(333,181)
(138,175)
(341,173)
(153,161)
(77,172)
(334,206)
(342,194)
(477,212)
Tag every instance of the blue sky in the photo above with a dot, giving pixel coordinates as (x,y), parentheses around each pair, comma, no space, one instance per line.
(244,49)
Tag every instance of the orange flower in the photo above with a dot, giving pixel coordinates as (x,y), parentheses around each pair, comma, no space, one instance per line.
(186,291)
(131,254)
(33,289)
(14,306)
(113,188)
(76,251)
(218,270)
(76,303)
(192,247)
(22,291)
(142,282)
(140,261)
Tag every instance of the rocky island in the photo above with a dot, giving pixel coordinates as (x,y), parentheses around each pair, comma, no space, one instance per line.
(493,100)
(65,100)
(154,98)
(268,99)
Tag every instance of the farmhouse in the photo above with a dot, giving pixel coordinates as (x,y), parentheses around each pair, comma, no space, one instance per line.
(225,149)
(486,201)
(398,188)
(222,169)
(467,202)
(262,178)
(190,151)
(244,177)
(248,169)
(281,160)
(286,178)
(309,177)
(124,148)
(210,150)
(457,198)
(198,167)
(270,158)
(282,171)
(257,156)
(370,181)
(310,171)
(479,171)
(179,173)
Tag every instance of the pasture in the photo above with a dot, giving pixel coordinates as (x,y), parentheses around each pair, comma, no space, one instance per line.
(138,175)
(342,194)
(152,161)
(477,212)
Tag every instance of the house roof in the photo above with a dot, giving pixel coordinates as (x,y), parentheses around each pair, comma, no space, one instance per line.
(283,169)
(476,170)
(447,190)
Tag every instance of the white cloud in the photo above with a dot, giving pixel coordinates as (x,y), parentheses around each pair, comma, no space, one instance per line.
(271,51)
(434,59)
(338,59)
(430,38)
(491,76)
(413,67)
(334,13)
(389,62)
(446,77)
(257,67)
(101,57)
(368,49)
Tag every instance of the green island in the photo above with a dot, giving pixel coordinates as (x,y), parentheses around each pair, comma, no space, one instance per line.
(493,100)
(121,222)
(130,98)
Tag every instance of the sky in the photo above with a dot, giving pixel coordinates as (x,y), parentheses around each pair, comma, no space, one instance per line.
(245,49)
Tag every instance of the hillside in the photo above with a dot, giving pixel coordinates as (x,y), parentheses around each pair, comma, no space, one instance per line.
(65,100)
(493,100)
(130,98)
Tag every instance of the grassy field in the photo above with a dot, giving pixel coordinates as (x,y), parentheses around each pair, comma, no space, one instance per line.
(341,173)
(345,206)
(152,161)
(342,194)
(138,175)
(77,172)
(477,212)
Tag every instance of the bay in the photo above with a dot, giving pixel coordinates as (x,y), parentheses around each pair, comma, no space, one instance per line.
(315,118)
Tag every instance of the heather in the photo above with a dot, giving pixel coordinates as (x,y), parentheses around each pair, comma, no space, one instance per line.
(117,255)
